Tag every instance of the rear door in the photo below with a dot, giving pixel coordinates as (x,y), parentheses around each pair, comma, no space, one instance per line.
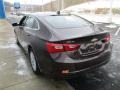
(31,25)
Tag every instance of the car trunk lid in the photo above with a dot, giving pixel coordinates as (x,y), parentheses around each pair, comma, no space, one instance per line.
(81,47)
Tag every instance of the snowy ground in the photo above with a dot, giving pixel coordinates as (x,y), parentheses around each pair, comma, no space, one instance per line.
(100,18)
(94,4)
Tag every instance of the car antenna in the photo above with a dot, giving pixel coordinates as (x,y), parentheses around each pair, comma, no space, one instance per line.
(58,12)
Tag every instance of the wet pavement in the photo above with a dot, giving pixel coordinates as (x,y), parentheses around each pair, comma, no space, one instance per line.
(15,69)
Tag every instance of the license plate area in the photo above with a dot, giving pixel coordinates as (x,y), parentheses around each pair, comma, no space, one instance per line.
(91,48)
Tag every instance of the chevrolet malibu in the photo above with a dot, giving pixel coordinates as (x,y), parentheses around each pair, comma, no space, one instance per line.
(62,45)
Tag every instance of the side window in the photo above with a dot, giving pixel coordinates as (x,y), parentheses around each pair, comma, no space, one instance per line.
(35,24)
(29,22)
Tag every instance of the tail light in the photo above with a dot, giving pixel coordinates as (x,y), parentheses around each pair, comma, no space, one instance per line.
(107,38)
(71,47)
(56,48)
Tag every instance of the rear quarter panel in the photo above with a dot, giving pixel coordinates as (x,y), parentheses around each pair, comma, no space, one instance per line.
(37,41)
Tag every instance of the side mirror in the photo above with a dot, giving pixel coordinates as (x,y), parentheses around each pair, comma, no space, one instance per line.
(15,24)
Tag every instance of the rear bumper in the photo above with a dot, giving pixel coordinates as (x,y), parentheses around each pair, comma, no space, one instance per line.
(78,68)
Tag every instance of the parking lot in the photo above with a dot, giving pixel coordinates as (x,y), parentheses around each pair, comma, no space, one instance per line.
(16,71)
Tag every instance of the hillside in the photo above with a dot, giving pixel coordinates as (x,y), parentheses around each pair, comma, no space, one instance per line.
(53,5)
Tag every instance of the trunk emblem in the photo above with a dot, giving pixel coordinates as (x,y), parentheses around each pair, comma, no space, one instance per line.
(94,40)
(70,41)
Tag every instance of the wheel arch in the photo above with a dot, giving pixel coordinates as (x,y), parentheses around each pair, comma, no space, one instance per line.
(31,48)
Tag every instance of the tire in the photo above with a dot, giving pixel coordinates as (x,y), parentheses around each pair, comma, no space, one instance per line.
(34,63)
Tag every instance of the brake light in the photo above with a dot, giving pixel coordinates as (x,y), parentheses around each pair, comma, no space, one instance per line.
(56,48)
(107,38)
(71,47)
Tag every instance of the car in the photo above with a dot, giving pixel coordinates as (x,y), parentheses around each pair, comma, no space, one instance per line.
(62,45)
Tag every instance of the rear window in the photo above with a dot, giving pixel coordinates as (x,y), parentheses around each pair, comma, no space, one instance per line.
(66,21)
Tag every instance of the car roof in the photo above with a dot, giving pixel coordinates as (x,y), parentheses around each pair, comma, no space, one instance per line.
(43,14)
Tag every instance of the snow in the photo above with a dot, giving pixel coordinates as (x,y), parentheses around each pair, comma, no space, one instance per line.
(92,5)
(100,18)
(111,26)
(117,32)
